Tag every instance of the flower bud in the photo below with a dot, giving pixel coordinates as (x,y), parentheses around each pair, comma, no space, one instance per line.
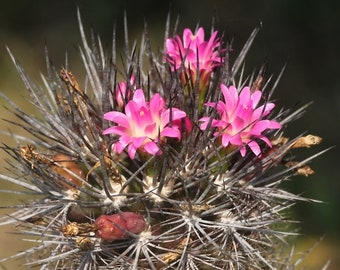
(117,226)
(124,91)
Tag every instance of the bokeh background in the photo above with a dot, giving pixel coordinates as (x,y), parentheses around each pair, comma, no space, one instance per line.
(304,35)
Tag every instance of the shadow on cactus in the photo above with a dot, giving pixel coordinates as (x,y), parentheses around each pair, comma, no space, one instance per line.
(172,162)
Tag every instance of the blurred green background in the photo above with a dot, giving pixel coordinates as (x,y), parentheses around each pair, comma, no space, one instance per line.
(303,34)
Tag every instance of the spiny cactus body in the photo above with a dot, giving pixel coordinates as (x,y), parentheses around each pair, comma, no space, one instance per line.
(177,165)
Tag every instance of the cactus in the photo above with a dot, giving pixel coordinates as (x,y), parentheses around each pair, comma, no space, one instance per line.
(174,161)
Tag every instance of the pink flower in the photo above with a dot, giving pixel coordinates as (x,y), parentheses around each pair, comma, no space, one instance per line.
(194,52)
(240,122)
(123,91)
(117,226)
(143,125)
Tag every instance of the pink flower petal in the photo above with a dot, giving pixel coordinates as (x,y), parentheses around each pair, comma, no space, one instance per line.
(230,96)
(243,151)
(171,132)
(138,141)
(116,117)
(139,98)
(200,35)
(152,148)
(118,147)
(254,147)
(255,98)
(131,151)
(244,96)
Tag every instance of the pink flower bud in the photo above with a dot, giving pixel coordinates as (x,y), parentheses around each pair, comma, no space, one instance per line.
(118,226)
(124,91)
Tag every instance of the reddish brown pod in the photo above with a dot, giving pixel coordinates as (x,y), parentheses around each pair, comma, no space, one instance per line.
(118,226)
(69,169)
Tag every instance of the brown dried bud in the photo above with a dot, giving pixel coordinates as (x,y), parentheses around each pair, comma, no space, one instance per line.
(307,141)
(75,229)
(300,170)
